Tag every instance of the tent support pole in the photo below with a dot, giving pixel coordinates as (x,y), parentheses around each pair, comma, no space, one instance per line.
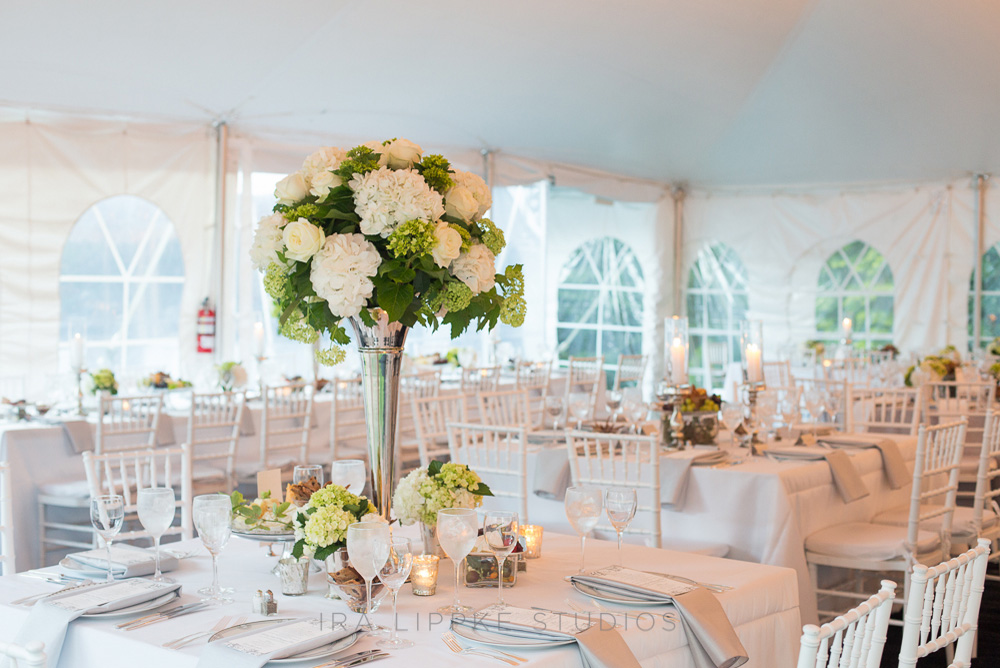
(221,148)
(678,194)
(977,240)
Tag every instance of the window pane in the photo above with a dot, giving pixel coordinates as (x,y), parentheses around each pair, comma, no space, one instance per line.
(127,219)
(577,342)
(854,308)
(623,308)
(991,316)
(881,310)
(696,317)
(86,252)
(826,314)
(718,312)
(148,302)
(97,304)
(578,305)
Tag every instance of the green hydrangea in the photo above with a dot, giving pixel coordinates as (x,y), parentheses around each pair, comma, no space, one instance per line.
(328,525)
(414,237)
(103,381)
(298,329)
(332,356)
(493,237)
(335,495)
(359,160)
(513,310)
(275,281)
(454,296)
(436,170)
(419,496)
(307,211)
(464,233)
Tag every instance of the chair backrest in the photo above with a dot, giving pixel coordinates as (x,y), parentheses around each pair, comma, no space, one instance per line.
(431,416)
(836,390)
(497,454)
(942,607)
(417,385)
(533,376)
(480,379)
(947,401)
(718,353)
(213,430)
(852,640)
(631,369)
(506,408)
(285,422)
(935,480)
(31,655)
(6,522)
(126,423)
(615,460)
(854,370)
(124,472)
(884,410)
(347,418)
(778,374)
(585,375)
(986,491)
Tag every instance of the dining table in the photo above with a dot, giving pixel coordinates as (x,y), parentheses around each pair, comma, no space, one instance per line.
(762,607)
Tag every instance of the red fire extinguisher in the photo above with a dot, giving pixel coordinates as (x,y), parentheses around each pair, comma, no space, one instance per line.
(206,328)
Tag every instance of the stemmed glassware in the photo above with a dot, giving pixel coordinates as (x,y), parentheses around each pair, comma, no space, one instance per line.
(397,557)
(732,417)
(554,407)
(302,474)
(213,518)
(583,509)
(367,542)
(813,398)
(636,410)
(613,400)
(620,504)
(349,474)
(501,530)
(107,514)
(580,405)
(156,507)
(457,530)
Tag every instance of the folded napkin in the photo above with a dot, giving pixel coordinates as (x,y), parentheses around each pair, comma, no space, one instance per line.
(80,435)
(601,646)
(892,460)
(126,560)
(552,475)
(711,637)
(846,478)
(809,428)
(50,618)
(675,469)
(255,648)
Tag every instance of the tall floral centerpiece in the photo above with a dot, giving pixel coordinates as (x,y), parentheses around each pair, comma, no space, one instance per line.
(387,238)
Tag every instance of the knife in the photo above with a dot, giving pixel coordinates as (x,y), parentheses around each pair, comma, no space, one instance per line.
(170,614)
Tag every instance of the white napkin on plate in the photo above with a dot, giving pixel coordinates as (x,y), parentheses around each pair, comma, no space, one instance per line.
(126,560)
(893,464)
(675,469)
(255,648)
(845,477)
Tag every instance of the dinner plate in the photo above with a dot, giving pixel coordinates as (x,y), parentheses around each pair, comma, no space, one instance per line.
(267,537)
(484,637)
(145,606)
(317,653)
(612,597)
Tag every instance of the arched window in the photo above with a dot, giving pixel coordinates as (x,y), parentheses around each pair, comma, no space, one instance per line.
(855,283)
(990,317)
(600,302)
(122,275)
(716,303)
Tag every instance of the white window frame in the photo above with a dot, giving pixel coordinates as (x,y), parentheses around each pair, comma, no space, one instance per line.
(984,339)
(840,292)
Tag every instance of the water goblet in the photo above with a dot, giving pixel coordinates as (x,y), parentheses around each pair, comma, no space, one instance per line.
(396,568)
(732,417)
(580,405)
(554,407)
(303,474)
(156,507)
(637,411)
(613,401)
(366,543)
(583,509)
(107,514)
(213,518)
(620,504)
(813,399)
(457,530)
(501,530)
(349,474)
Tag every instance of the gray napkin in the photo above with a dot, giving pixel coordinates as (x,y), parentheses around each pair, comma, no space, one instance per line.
(711,637)
(846,477)
(896,472)
(675,471)
(80,435)
(226,653)
(552,475)
(126,560)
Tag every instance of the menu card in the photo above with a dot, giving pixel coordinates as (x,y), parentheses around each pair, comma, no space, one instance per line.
(120,556)
(651,582)
(539,620)
(100,596)
(278,638)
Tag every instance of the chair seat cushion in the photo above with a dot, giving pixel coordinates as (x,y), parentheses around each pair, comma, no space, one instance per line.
(864,540)
(961,523)
(968,468)
(73,489)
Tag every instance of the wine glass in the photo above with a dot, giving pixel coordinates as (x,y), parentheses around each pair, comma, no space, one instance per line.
(349,474)
(637,410)
(813,399)
(213,518)
(366,544)
(554,407)
(613,401)
(457,530)
(732,417)
(580,404)
(303,474)
(501,530)
(583,509)
(107,514)
(620,504)
(398,559)
(156,507)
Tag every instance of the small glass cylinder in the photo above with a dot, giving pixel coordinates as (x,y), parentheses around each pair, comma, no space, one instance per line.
(294,575)
(532,540)
(676,337)
(847,326)
(752,344)
(424,574)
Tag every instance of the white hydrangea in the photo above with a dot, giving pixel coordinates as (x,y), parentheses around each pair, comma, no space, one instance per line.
(384,198)
(317,170)
(476,187)
(476,268)
(342,270)
(407,501)
(267,241)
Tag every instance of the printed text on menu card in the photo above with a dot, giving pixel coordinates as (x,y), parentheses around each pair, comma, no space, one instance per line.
(280,637)
(648,581)
(101,595)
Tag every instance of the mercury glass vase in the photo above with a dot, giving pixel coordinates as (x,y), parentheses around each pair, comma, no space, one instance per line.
(381,349)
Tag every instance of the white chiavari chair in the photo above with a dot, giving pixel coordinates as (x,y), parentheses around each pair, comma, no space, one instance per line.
(884,410)
(985,511)
(585,375)
(285,421)
(498,455)
(506,408)
(348,435)
(948,401)
(7,559)
(479,379)
(630,369)
(412,386)
(125,472)
(718,361)
(942,608)
(852,640)
(778,375)
(125,423)
(431,416)
(31,655)
(926,535)
(213,430)
(534,377)
(835,390)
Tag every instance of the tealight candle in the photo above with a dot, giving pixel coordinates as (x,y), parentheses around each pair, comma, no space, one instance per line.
(424,574)
(532,540)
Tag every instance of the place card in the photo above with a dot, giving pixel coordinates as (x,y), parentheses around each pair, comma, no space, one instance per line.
(269,481)
(280,637)
(652,582)
(98,596)
(539,620)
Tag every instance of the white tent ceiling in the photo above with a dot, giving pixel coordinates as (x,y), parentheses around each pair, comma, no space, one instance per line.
(713,92)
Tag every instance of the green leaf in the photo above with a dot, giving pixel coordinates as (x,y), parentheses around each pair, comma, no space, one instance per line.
(297,550)
(483,490)
(434,468)
(393,297)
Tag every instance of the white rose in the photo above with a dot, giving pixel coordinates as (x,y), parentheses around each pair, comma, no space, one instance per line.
(320,183)
(402,154)
(267,241)
(461,203)
(378,147)
(449,244)
(302,239)
(291,189)
(477,269)
(475,184)
(342,270)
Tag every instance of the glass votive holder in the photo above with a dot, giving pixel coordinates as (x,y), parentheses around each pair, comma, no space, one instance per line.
(294,575)
(424,574)
(532,540)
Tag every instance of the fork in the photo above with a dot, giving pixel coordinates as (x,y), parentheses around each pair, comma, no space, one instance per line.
(453,645)
(188,639)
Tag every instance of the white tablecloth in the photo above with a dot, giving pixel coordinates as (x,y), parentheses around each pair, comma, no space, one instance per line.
(762,607)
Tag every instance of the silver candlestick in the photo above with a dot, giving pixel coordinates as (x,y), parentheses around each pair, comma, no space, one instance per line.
(79,391)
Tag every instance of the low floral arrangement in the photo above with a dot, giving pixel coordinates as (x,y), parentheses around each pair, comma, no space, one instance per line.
(698,400)
(159,380)
(421,494)
(817,346)
(994,347)
(262,515)
(995,371)
(103,380)
(383,226)
(891,349)
(934,368)
(232,376)
(321,524)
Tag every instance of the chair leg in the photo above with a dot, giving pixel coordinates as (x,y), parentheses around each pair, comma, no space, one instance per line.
(41,534)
